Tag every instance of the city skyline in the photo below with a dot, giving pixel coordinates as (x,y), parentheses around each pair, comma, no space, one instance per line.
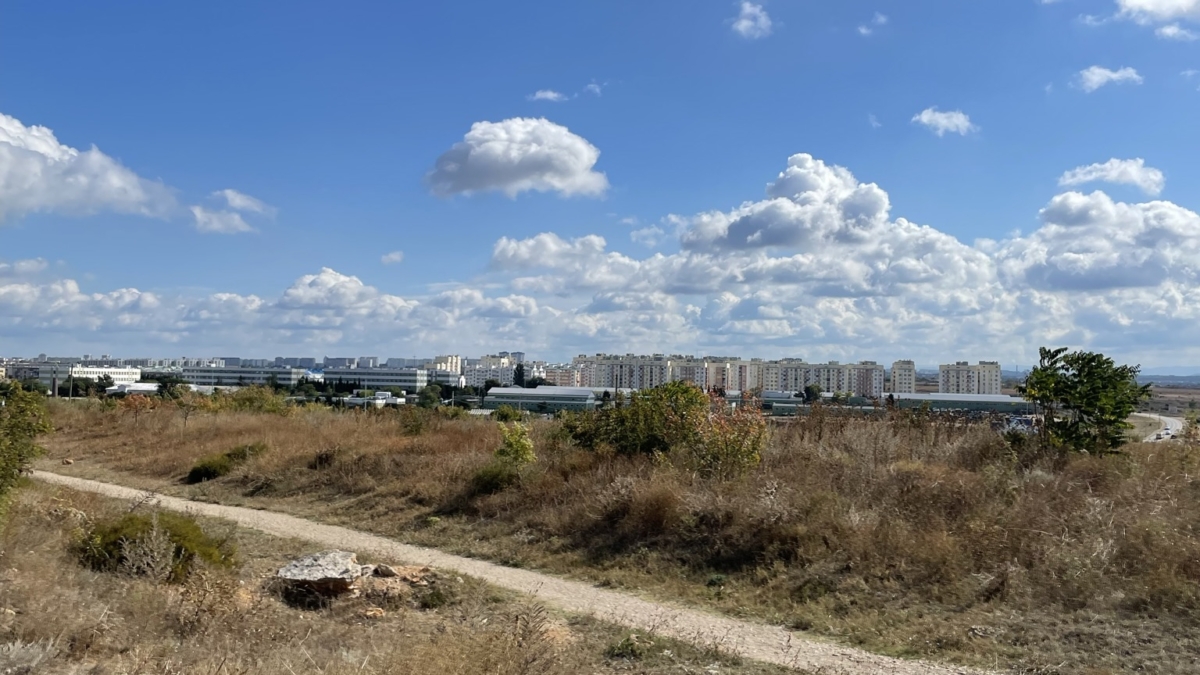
(930,181)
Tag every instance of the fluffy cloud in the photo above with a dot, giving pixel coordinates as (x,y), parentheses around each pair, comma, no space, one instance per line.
(817,267)
(942,123)
(1160,10)
(752,21)
(517,155)
(219,222)
(1094,77)
(1121,171)
(40,174)
(392,258)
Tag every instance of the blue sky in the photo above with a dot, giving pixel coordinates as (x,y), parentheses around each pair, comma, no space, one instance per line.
(968,180)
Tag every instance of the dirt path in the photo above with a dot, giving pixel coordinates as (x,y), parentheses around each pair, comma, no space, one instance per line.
(760,642)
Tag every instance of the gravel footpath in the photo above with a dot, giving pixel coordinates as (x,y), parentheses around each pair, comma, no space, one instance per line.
(770,644)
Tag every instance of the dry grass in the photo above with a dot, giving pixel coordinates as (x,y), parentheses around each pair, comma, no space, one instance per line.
(57,617)
(908,537)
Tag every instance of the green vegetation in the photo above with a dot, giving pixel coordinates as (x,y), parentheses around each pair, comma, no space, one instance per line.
(23,418)
(507,413)
(515,453)
(1085,400)
(215,466)
(650,422)
(163,545)
(430,396)
(517,448)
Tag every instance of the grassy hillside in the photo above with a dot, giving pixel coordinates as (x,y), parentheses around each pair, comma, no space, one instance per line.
(907,535)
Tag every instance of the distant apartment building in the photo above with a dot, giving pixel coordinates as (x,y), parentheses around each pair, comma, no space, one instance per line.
(237,377)
(963,378)
(344,362)
(563,375)
(368,362)
(727,373)
(478,375)
(904,377)
(450,362)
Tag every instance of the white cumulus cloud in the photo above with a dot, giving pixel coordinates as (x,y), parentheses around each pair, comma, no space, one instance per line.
(942,123)
(219,222)
(38,174)
(392,258)
(1121,171)
(518,155)
(752,21)
(1094,77)
(1160,10)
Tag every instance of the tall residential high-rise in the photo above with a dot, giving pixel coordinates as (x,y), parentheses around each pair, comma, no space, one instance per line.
(963,378)
(904,377)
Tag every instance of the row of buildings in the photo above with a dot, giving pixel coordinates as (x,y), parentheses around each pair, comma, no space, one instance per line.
(865,378)
(601,371)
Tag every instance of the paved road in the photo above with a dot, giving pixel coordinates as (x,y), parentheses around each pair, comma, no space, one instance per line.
(1171,426)
(770,644)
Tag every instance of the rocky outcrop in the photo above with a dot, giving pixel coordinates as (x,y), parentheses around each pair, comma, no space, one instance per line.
(332,573)
(328,573)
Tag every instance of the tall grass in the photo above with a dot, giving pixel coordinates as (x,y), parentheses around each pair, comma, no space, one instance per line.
(844,517)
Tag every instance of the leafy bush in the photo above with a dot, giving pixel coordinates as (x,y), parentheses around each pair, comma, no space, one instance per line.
(23,418)
(215,466)
(164,546)
(252,399)
(507,413)
(649,422)
(517,448)
(494,477)
(728,442)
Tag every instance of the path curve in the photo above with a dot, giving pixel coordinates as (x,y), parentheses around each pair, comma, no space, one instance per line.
(770,644)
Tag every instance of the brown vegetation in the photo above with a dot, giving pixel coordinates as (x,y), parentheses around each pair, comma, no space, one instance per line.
(57,616)
(906,535)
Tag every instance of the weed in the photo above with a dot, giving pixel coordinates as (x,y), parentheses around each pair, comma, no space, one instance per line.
(215,466)
(162,545)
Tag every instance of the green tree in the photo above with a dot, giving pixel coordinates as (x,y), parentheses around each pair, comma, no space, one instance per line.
(812,393)
(535,382)
(103,383)
(1084,399)
(490,385)
(23,418)
(172,387)
(430,396)
(519,375)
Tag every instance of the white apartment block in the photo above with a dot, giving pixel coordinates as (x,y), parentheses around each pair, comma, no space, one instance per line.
(963,378)
(728,373)
(236,377)
(450,362)
(904,377)
(478,375)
